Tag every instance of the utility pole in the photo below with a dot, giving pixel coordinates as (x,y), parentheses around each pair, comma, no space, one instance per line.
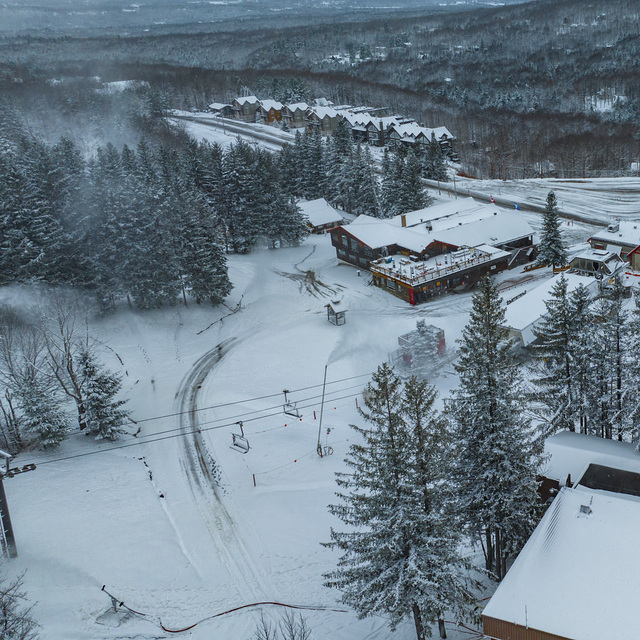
(324,384)
(7,530)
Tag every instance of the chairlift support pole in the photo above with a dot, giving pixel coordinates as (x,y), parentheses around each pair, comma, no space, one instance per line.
(9,539)
(324,384)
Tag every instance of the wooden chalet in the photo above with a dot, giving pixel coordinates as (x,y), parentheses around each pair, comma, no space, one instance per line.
(221,109)
(245,108)
(417,281)
(295,115)
(415,135)
(269,111)
(320,215)
(325,119)
(634,258)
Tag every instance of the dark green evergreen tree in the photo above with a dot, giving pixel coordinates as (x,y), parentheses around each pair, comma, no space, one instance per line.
(105,414)
(499,458)
(552,249)
(400,554)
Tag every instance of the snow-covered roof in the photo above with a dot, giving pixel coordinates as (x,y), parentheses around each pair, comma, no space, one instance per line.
(247,99)
(319,212)
(217,106)
(303,106)
(412,130)
(597,255)
(323,112)
(578,576)
(571,453)
(497,229)
(451,208)
(492,230)
(271,104)
(376,233)
(525,314)
(627,233)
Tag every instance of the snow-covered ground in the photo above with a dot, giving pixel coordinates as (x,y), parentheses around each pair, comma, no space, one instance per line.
(599,199)
(144,519)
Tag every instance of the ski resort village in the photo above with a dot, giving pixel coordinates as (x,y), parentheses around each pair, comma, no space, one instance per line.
(306,345)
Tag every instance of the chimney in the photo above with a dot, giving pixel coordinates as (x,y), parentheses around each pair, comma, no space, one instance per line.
(403,217)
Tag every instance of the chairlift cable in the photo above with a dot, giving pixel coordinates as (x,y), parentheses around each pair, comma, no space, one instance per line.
(169,437)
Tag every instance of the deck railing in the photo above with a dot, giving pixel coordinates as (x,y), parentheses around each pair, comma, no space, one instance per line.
(424,275)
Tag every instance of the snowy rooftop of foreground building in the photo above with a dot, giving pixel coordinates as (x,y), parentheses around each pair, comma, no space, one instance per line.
(578,576)
(524,314)
(571,453)
(319,212)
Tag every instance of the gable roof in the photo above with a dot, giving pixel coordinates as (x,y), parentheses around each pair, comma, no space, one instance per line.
(245,99)
(571,579)
(303,106)
(525,314)
(320,212)
(271,104)
(494,230)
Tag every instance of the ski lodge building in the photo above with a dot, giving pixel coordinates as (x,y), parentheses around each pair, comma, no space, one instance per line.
(578,576)
(320,215)
(442,248)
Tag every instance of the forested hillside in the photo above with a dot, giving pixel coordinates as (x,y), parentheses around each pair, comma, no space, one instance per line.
(544,87)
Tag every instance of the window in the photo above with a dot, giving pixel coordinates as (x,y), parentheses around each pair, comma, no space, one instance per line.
(354,244)
(342,253)
(391,284)
(345,241)
(368,253)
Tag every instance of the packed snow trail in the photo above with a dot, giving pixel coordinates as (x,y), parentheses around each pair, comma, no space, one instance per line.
(200,471)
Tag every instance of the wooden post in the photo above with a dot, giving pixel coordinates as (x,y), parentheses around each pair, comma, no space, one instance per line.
(11,549)
(254,480)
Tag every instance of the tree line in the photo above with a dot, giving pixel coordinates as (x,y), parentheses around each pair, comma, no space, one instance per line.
(348,177)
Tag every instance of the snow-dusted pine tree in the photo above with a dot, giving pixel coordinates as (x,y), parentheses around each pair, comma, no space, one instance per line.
(400,552)
(499,458)
(611,385)
(552,249)
(558,363)
(41,415)
(105,415)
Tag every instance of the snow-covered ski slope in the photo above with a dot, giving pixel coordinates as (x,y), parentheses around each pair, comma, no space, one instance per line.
(148,522)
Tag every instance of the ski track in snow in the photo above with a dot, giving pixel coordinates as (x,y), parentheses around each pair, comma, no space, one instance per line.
(224,531)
